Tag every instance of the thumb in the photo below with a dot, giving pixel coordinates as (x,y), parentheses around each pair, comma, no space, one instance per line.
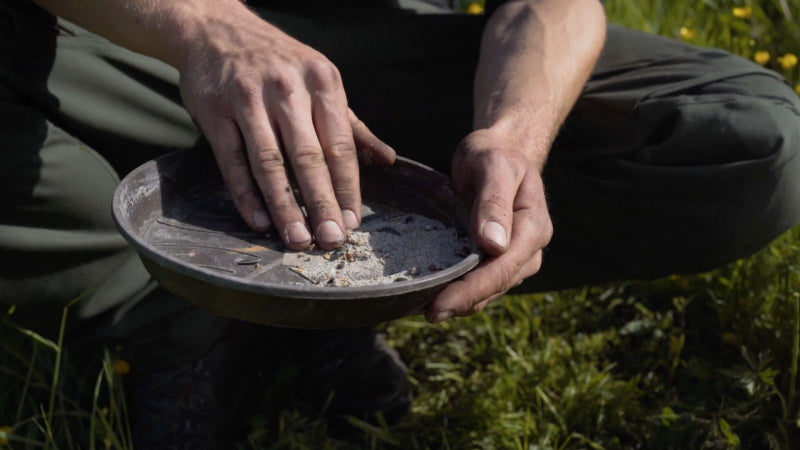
(493,208)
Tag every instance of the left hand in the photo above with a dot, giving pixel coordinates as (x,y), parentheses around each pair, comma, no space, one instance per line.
(509,220)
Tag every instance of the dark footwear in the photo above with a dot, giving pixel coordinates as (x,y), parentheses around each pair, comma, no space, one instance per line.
(351,373)
(194,406)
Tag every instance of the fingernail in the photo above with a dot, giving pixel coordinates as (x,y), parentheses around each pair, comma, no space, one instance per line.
(349,218)
(495,232)
(329,232)
(297,233)
(443,315)
(260,218)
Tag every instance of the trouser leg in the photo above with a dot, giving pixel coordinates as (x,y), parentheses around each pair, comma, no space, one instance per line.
(674,159)
(86,111)
(58,243)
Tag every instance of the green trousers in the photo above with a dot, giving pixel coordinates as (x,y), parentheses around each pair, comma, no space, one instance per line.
(674,159)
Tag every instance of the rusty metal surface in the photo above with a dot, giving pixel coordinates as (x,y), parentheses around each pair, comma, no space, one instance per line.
(177,214)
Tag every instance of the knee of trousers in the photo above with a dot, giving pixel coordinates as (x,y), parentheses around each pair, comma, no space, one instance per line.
(734,148)
(57,238)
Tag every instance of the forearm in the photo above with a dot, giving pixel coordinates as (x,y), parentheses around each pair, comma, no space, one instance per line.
(536,56)
(161,29)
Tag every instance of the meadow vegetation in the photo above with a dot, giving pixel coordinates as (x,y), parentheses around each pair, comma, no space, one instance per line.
(688,361)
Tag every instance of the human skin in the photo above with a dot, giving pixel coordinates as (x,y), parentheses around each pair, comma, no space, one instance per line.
(535,57)
(271,107)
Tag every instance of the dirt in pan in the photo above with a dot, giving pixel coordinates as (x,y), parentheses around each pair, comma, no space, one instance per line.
(383,250)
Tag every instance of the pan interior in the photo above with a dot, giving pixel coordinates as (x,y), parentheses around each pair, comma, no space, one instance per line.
(178,210)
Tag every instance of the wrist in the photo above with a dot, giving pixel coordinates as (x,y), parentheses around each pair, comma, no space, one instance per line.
(528,133)
(182,26)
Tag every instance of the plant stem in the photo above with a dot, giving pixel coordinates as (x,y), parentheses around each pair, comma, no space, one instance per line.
(795,355)
(57,368)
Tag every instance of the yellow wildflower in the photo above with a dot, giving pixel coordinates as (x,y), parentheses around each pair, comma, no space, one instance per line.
(743,12)
(730,338)
(787,61)
(687,34)
(797,89)
(121,367)
(475,9)
(4,432)
(761,57)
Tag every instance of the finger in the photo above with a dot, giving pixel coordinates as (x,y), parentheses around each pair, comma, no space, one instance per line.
(496,182)
(302,148)
(530,233)
(267,167)
(336,138)
(230,153)
(481,286)
(371,150)
(480,306)
(532,266)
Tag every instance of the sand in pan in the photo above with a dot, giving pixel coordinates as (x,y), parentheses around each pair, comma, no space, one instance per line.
(383,250)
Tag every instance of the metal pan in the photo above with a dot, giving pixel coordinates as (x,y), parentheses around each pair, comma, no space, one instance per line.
(177,214)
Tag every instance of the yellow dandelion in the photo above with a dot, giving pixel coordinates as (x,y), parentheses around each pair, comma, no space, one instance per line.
(761,57)
(121,367)
(787,61)
(475,9)
(687,34)
(743,12)
(4,432)
(797,89)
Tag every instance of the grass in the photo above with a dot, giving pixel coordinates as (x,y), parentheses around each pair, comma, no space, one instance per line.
(702,361)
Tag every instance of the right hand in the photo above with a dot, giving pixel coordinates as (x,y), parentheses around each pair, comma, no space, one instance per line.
(274,109)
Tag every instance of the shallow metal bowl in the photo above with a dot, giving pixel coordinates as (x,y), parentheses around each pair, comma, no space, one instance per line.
(176,212)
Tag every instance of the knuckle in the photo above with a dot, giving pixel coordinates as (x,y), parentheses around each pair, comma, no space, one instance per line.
(481,304)
(347,194)
(232,169)
(245,90)
(357,124)
(270,160)
(280,207)
(240,189)
(236,165)
(281,84)
(538,261)
(341,149)
(322,74)
(542,227)
(507,278)
(307,157)
(242,195)
(497,201)
(547,230)
(320,207)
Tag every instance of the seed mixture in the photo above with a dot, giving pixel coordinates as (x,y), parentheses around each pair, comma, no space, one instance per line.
(383,250)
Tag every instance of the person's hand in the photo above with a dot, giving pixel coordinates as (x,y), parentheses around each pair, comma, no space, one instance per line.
(509,220)
(275,113)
